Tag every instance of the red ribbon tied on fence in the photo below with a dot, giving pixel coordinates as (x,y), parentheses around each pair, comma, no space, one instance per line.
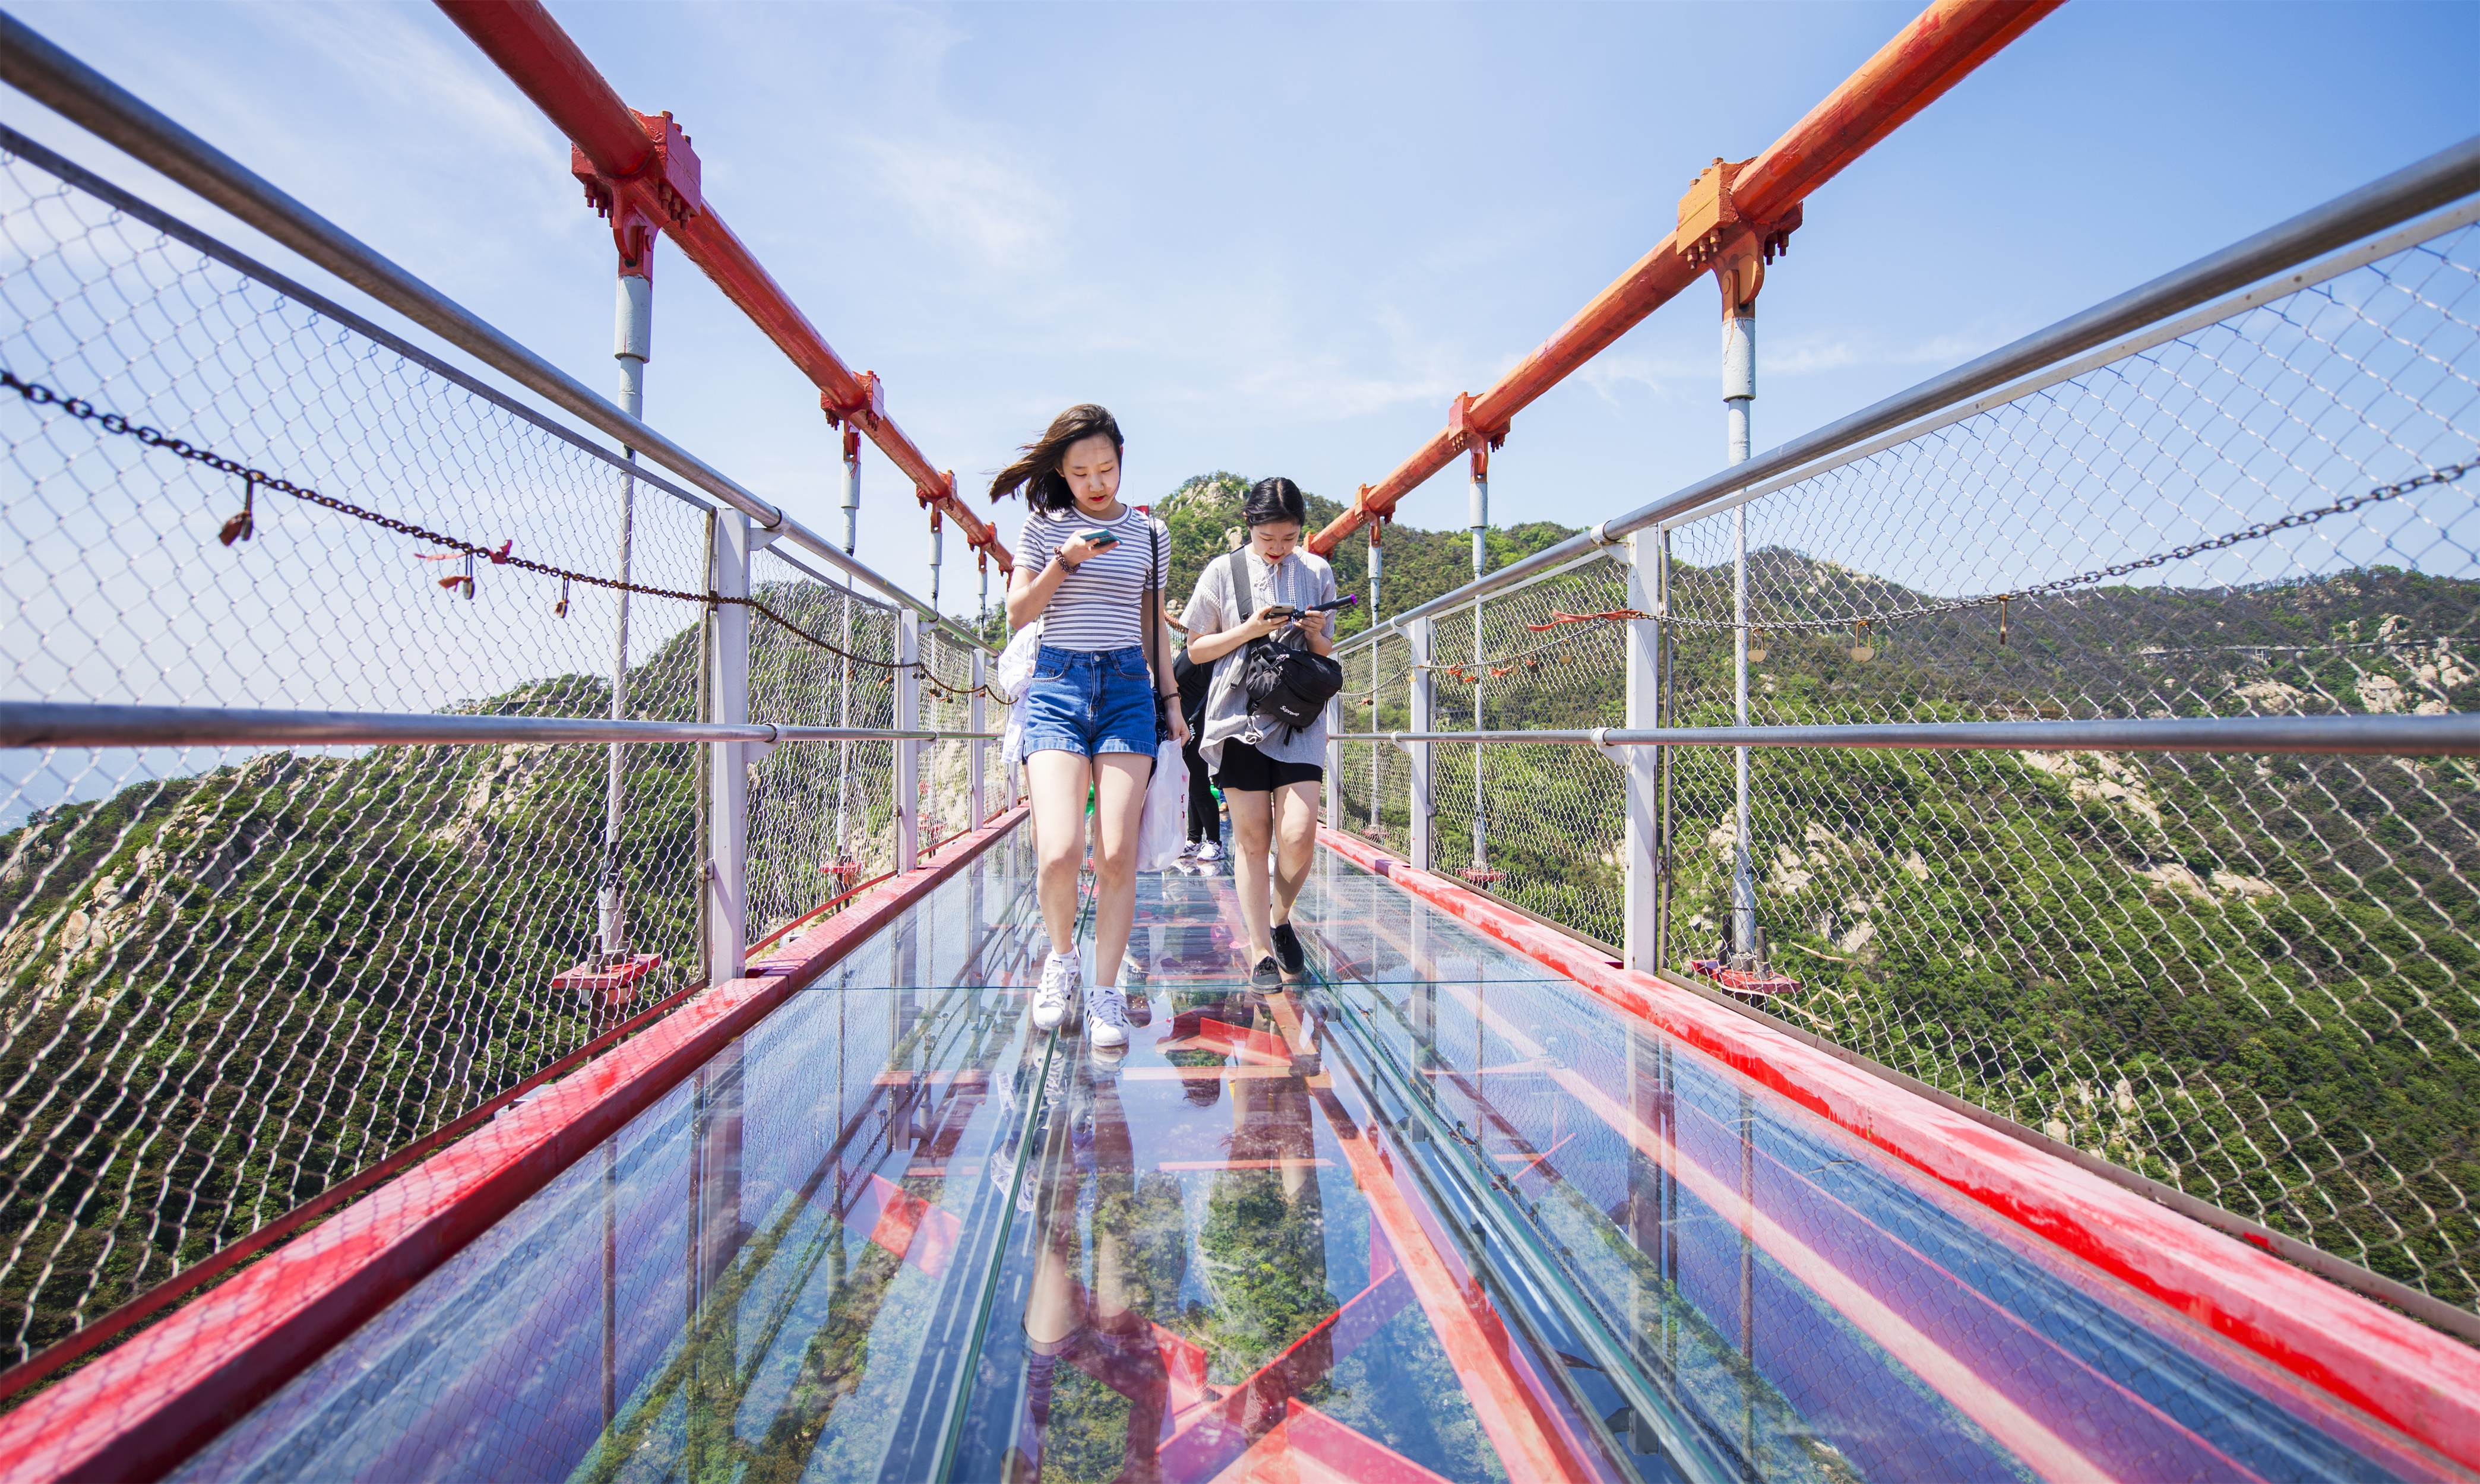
(1612,616)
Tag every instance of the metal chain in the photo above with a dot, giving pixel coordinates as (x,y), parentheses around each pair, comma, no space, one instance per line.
(2445,474)
(1499,664)
(240,527)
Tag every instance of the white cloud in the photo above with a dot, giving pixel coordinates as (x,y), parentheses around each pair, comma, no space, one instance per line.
(1669,376)
(387,53)
(995,211)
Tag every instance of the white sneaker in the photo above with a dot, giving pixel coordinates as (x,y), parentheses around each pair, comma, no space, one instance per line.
(1209,850)
(1188,852)
(1107,1015)
(1060,973)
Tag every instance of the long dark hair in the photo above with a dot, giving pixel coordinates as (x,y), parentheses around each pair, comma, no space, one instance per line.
(1274,499)
(1037,470)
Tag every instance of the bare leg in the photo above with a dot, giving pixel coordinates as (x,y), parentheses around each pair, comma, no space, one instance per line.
(1296,814)
(1058,781)
(1252,826)
(1118,807)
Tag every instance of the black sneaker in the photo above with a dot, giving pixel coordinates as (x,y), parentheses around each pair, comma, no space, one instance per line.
(1287,951)
(1267,975)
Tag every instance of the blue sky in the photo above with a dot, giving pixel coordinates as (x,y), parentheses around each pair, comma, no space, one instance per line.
(1279,238)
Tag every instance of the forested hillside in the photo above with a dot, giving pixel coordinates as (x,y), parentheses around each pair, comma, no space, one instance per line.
(1203,514)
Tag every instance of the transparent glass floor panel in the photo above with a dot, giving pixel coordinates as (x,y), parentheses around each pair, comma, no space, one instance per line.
(762,1276)
(1430,1212)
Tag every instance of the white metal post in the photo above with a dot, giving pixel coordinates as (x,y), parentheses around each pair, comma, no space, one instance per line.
(1416,634)
(1377,565)
(1480,803)
(1738,391)
(908,754)
(1480,516)
(843,750)
(938,551)
(1334,763)
(975,799)
(852,488)
(728,762)
(1639,942)
(633,346)
(1481,669)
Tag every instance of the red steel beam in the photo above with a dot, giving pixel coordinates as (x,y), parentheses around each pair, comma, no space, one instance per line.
(547,67)
(1938,49)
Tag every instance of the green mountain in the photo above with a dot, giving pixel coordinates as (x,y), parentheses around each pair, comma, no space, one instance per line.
(1204,517)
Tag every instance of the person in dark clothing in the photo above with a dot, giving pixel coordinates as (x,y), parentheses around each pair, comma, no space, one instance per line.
(1204,819)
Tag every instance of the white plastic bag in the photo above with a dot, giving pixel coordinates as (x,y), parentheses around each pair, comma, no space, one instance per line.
(1010,681)
(1165,825)
(1015,669)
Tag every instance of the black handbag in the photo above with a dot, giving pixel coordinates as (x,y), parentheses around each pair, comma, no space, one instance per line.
(1285,682)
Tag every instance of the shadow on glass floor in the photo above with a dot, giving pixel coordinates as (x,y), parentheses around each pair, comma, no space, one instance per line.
(1434,1214)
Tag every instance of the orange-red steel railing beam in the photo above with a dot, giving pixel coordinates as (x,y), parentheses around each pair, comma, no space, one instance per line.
(1938,49)
(547,67)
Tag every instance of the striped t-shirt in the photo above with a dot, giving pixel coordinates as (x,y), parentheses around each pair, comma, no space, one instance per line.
(1095,606)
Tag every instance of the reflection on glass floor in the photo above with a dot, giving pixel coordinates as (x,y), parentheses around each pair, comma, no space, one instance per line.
(1436,1213)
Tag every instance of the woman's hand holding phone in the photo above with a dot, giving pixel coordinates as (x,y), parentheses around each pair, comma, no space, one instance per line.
(1085,544)
(1272,616)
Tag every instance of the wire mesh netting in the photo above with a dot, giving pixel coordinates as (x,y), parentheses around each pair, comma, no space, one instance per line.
(2246,976)
(1549,831)
(1373,782)
(822,814)
(946,766)
(232,978)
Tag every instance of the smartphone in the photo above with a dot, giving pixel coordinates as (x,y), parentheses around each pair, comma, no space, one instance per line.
(1099,537)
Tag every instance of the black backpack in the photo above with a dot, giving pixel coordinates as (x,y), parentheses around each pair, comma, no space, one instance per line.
(1284,682)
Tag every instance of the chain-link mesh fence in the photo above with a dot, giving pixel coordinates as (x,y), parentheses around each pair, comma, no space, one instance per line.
(232,978)
(1548,833)
(1372,783)
(2246,976)
(822,814)
(947,706)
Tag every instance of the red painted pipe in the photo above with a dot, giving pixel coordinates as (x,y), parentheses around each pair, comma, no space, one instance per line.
(1937,50)
(547,67)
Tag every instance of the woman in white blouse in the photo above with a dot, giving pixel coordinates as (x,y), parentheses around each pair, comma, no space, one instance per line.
(1271,776)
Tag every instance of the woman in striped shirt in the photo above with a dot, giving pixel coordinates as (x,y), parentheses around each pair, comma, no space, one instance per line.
(1095,709)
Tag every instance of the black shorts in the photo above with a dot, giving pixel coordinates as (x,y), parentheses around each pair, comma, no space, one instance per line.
(1251,771)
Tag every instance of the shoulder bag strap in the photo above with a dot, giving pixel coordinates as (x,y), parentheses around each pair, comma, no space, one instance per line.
(1241,611)
(1149,614)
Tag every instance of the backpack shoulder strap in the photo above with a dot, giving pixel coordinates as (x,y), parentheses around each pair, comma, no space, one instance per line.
(1239,566)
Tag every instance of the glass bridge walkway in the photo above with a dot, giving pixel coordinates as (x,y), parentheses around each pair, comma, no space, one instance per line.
(1436,1212)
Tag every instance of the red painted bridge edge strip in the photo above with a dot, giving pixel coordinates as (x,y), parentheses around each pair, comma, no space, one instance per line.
(141,1410)
(2420,1382)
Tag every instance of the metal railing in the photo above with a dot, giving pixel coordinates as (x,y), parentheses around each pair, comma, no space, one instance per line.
(379,744)
(2108,707)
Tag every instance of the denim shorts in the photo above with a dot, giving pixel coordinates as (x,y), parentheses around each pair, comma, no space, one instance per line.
(1090,702)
